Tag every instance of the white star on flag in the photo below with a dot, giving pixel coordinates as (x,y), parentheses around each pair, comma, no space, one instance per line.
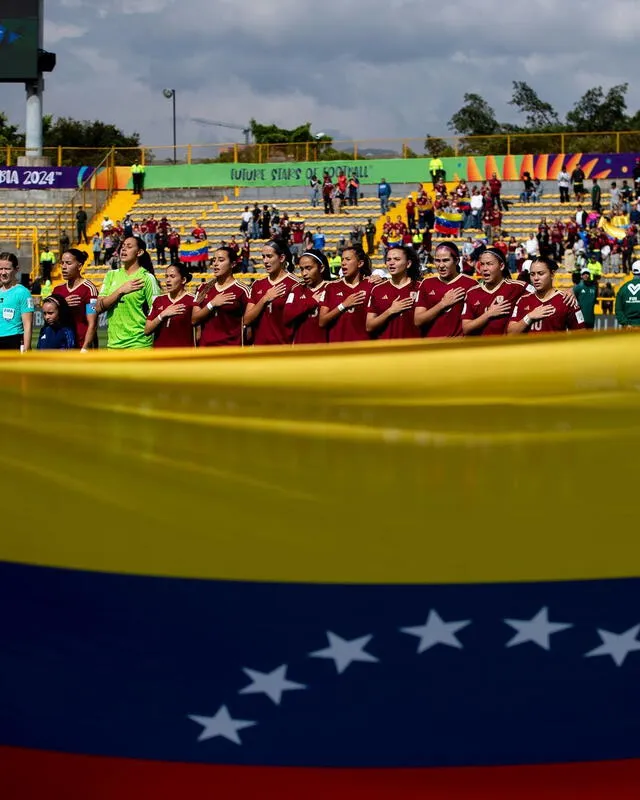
(536,630)
(617,645)
(345,651)
(273,684)
(222,724)
(437,631)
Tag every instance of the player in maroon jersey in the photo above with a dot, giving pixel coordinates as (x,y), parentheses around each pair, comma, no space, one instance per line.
(391,303)
(221,303)
(546,311)
(81,296)
(268,296)
(170,318)
(302,306)
(488,307)
(438,311)
(343,310)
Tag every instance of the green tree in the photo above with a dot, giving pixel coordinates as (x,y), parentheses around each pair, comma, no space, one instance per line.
(475,118)
(9,134)
(538,114)
(90,141)
(437,148)
(597,111)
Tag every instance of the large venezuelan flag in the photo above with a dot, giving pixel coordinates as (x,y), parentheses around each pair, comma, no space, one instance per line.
(448,223)
(360,572)
(194,252)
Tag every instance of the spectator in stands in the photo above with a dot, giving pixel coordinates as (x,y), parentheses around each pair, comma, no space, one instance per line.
(245,220)
(627,246)
(354,190)
(47,262)
(127,226)
(531,246)
(356,236)
(577,179)
(528,188)
(245,256)
(581,218)
(596,196)
(266,223)
(327,193)
(127,295)
(628,300)
(106,224)
(162,241)
(174,246)
(477,209)
(65,242)
(370,234)
(81,296)
(255,222)
(57,333)
(495,189)
(615,199)
(626,196)
(150,234)
(538,190)
(411,213)
(96,246)
(315,190)
(607,294)
(16,319)
(81,225)
(564,184)
(384,195)
(198,233)
(297,240)
(319,240)
(636,178)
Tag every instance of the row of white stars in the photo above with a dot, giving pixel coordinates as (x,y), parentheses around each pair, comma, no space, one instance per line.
(344,652)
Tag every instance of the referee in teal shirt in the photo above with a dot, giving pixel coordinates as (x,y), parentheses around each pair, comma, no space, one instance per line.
(16,307)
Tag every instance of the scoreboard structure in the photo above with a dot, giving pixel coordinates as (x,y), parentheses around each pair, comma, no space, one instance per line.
(20,40)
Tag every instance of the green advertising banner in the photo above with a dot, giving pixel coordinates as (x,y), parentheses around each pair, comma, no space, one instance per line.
(395,170)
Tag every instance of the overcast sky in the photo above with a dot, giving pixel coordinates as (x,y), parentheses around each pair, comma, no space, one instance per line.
(353,68)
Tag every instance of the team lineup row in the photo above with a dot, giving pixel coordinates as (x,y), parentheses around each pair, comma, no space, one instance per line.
(283,309)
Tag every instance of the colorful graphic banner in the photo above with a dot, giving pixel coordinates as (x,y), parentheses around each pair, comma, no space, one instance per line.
(394,170)
(236,625)
(43,177)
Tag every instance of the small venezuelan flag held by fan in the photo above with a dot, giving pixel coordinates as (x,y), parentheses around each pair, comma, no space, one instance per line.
(194,252)
(448,223)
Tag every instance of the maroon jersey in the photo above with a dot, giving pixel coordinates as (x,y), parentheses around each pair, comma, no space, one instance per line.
(301,314)
(224,327)
(480,298)
(351,325)
(564,318)
(173,331)
(449,322)
(269,328)
(88,295)
(399,326)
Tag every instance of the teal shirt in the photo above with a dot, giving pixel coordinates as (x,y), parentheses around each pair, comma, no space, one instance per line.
(628,303)
(14,302)
(587,294)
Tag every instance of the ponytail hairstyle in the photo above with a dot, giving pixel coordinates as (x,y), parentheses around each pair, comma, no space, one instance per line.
(144,259)
(12,258)
(319,256)
(413,270)
(495,251)
(185,272)
(79,255)
(365,269)
(282,249)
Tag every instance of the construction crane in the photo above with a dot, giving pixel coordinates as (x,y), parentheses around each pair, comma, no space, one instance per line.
(245,131)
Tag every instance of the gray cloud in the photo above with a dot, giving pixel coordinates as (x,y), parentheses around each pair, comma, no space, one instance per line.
(369,71)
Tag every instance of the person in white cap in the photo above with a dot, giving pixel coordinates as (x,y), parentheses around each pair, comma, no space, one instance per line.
(628,300)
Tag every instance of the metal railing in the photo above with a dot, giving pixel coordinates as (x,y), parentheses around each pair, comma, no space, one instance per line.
(348,149)
(88,197)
